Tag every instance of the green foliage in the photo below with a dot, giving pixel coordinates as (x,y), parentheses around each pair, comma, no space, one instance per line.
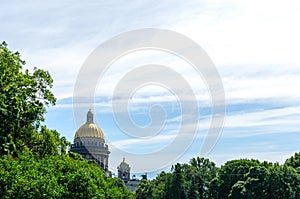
(160,188)
(177,185)
(229,174)
(48,142)
(56,177)
(236,179)
(200,172)
(117,189)
(185,181)
(252,179)
(23,97)
(294,161)
(143,191)
(278,182)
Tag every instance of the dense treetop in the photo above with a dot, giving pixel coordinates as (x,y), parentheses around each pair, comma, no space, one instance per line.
(236,179)
(23,97)
(60,176)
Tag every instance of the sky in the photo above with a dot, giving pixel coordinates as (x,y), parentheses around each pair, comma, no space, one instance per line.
(254,46)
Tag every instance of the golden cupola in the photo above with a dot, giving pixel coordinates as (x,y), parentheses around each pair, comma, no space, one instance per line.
(89,129)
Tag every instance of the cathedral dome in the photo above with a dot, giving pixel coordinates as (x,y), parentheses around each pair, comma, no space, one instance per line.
(89,129)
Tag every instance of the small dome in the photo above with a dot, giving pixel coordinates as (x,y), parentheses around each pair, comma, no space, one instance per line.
(124,162)
(89,129)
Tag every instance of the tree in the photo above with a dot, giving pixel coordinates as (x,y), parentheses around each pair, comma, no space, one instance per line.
(236,179)
(294,161)
(177,183)
(201,171)
(117,189)
(284,182)
(59,176)
(23,98)
(64,143)
(274,181)
(184,181)
(229,174)
(255,185)
(160,185)
(143,190)
(49,142)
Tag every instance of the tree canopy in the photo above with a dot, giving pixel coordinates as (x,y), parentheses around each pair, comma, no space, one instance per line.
(24,96)
(236,179)
(59,176)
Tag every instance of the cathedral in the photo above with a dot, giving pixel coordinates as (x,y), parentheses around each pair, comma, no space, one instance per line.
(89,142)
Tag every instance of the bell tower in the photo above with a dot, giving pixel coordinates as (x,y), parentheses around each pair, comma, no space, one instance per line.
(124,170)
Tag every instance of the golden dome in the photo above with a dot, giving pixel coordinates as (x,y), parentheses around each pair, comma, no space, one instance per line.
(89,129)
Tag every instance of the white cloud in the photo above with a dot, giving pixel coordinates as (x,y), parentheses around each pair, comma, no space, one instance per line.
(220,158)
(249,32)
(264,117)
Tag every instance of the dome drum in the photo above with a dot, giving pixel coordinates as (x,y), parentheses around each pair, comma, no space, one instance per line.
(89,141)
(92,150)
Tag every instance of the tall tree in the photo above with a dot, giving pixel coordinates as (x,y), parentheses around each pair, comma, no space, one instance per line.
(23,98)
(229,174)
(203,171)
(177,183)
(143,190)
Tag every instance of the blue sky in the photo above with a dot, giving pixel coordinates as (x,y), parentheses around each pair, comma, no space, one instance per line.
(254,45)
